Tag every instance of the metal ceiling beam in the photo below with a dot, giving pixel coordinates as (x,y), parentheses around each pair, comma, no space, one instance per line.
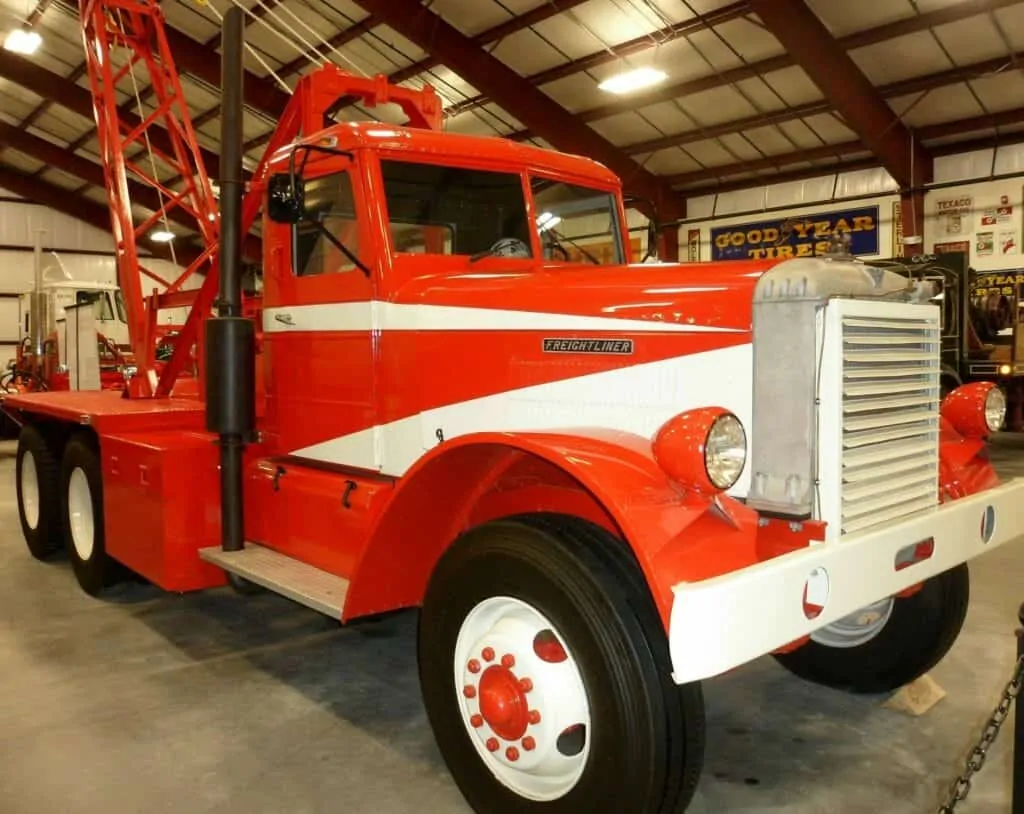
(655,39)
(975,124)
(771,162)
(538,14)
(872,36)
(36,191)
(339,40)
(67,94)
(60,158)
(202,62)
(905,87)
(801,174)
(531,106)
(699,181)
(849,90)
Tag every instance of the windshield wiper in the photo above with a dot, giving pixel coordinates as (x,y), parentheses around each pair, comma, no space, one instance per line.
(559,239)
(338,244)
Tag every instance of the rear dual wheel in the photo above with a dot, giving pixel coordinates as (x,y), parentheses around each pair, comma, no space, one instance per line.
(60,504)
(37,478)
(82,487)
(546,676)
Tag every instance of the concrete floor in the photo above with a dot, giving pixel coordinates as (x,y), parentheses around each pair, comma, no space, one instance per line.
(145,702)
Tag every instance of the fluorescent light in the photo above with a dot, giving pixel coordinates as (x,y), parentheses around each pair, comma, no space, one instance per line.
(546,220)
(21,41)
(162,236)
(632,80)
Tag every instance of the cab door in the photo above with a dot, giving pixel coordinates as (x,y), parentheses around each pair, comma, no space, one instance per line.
(319,350)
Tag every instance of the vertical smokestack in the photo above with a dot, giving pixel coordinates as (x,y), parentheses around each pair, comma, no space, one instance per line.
(230,338)
(37,302)
(231,184)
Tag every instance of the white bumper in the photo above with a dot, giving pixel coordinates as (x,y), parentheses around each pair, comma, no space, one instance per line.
(721,623)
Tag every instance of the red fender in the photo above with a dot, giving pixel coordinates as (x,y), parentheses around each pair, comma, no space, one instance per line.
(610,478)
(965,467)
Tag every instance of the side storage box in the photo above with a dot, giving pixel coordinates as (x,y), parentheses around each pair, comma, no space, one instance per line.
(161,503)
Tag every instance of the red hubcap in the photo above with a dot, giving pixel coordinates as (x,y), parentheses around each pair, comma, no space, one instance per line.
(503,703)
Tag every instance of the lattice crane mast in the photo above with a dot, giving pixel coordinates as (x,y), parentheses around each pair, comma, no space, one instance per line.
(127,48)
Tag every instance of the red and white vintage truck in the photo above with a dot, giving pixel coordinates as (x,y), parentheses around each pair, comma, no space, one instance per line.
(601,482)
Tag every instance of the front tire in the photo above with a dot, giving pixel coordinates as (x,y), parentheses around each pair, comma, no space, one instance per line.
(915,634)
(546,676)
(82,487)
(37,474)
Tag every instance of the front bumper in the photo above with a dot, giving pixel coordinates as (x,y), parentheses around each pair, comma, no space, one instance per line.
(721,623)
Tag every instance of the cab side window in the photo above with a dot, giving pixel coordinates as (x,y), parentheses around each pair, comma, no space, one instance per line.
(329,201)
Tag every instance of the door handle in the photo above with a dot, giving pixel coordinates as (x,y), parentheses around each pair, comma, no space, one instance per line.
(285,319)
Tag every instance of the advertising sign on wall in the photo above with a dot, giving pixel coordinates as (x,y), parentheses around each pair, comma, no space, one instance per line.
(955,214)
(963,246)
(693,245)
(805,236)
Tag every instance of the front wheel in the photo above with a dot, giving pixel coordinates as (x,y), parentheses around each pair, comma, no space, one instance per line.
(889,644)
(546,676)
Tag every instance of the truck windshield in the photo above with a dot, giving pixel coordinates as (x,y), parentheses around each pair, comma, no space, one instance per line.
(435,209)
(101,301)
(577,224)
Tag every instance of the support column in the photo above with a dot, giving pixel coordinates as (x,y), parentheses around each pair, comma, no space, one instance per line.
(668,244)
(912,222)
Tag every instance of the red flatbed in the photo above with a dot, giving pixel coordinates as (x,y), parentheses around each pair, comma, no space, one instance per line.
(107,411)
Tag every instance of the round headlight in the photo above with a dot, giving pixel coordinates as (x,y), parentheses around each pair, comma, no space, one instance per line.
(995,409)
(725,451)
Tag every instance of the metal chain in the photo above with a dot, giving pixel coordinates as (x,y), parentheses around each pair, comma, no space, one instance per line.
(976,760)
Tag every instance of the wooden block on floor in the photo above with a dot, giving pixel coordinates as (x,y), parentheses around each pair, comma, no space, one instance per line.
(917,697)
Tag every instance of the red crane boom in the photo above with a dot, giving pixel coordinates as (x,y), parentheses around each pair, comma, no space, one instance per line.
(126,48)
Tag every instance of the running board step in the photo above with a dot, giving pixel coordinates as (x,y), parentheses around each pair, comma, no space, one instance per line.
(285,575)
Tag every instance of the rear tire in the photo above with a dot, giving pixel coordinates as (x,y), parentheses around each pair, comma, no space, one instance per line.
(82,487)
(919,632)
(37,475)
(575,709)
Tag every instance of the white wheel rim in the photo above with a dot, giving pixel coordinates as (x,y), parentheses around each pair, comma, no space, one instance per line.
(80,518)
(30,490)
(525,708)
(860,627)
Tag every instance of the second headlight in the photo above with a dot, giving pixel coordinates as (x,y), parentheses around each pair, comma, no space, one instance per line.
(995,409)
(725,451)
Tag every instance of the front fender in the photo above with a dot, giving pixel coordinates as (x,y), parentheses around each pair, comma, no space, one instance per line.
(965,467)
(615,481)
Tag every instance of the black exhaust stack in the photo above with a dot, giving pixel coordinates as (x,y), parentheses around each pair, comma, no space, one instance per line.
(230,338)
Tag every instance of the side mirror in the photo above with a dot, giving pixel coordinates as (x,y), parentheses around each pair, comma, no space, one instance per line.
(285,201)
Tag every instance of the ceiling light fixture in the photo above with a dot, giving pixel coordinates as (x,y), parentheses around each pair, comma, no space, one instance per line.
(23,41)
(547,220)
(162,236)
(633,80)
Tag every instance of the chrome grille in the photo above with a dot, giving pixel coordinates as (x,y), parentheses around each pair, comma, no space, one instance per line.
(890,417)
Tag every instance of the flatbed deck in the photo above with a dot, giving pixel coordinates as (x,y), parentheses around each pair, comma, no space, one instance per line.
(108,411)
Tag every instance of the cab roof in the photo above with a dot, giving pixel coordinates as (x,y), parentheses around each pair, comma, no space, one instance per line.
(502,153)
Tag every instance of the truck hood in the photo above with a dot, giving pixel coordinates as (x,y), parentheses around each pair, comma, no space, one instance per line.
(697,294)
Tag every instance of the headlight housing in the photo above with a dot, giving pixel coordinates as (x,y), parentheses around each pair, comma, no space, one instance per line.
(704,450)
(975,410)
(725,451)
(995,409)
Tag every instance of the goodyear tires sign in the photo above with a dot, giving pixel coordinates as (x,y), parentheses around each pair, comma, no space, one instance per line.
(804,236)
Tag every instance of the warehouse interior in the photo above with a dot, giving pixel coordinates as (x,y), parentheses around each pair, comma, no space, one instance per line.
(881,135)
